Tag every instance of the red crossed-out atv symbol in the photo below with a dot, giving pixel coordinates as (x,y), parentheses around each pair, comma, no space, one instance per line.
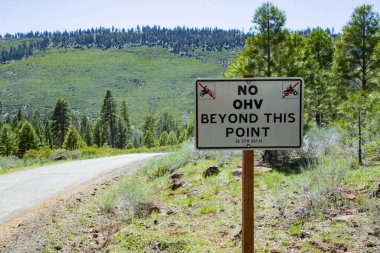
(291,90)
(205,91)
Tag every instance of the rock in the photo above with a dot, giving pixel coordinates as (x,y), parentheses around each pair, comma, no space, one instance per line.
(176,184)
(262,169)
(174,224)
(376,194)
(305,234)
(146,209)
(235,234)
(344,218)
(194,191)
(61,157)
(213,170)
(58,247)
(176,175)
(171,212)
(370,244)
(349,196)
(237,172)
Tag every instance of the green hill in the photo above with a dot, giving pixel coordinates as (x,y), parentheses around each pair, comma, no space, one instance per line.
(151,79)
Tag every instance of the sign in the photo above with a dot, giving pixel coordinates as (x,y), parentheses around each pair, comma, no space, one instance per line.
(259,113)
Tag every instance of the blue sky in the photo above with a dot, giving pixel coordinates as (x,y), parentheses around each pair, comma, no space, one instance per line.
(52,15)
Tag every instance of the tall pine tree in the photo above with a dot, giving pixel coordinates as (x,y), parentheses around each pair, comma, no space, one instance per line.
(27,139)
(357,65)
(108,118)
(60,121)
(8,144)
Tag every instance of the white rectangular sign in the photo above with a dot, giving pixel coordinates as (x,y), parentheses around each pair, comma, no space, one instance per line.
(249,113)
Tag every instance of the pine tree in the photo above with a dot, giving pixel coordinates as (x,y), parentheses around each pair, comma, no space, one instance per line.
(48,135)
(60,121)
(125,113)
(39,128)
(269,22)
(322,48)
(149,139)
(263,51)
(164,138)
(182,136)
(8,144)
(318,99)
(149,124)
(121,136)
(108,118)
(86,131)
(27,139)
(73,140)
(172,139)
(20,116)
(97,137)
(166,123)
(100,135)
(356,63)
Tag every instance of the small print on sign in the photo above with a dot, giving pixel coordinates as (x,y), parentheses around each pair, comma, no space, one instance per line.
(290,90)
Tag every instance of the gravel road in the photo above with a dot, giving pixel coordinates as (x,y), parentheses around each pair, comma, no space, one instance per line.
(24,190)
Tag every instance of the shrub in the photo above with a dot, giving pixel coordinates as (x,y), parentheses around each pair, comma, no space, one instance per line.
(321,179)
(320,141)
(131,193)
(34,153)
(107,204)
(8,162)
(58,154)
(160,167)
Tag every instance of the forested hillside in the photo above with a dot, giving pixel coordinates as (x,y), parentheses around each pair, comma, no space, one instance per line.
(180,40)
(149,72)
(341,74)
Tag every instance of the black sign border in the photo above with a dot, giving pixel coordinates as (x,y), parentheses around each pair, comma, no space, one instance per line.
(251,80)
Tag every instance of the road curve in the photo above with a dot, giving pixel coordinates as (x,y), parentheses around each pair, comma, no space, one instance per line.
(23,190)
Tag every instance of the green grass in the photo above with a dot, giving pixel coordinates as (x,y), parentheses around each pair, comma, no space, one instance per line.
(46,156)
(151,79)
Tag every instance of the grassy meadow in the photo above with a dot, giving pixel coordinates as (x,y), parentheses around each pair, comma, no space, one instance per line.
(151,79)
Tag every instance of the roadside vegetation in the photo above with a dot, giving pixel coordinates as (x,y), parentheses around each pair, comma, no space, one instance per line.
(66,137)
(320,200)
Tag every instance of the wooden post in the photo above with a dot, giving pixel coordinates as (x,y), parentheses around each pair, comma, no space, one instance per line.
(248,202)
(248,199)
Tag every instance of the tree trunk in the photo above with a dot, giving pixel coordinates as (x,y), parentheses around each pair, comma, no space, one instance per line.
(268,51)
(360,139)
(318,119)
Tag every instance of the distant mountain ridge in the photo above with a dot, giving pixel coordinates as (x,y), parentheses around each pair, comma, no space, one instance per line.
(179,40)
